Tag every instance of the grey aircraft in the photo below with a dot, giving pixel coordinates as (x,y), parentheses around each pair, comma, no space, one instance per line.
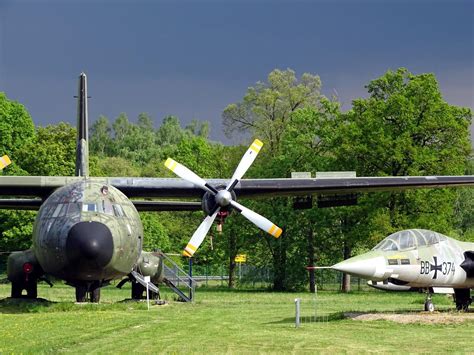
(418,259)
(88,231)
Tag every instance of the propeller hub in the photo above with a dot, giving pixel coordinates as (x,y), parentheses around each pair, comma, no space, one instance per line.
(223,198)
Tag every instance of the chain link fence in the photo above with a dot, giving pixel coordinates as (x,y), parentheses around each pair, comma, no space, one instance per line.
(250,276)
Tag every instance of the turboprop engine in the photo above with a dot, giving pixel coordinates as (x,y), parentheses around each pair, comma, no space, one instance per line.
(151,264)
(221,199)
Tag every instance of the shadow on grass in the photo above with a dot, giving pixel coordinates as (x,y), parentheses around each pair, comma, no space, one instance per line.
(40,305)
(328,317)
(400,316)
(23,305)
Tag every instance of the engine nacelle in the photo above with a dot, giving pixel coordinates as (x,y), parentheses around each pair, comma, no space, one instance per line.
(151,264)
(23,265)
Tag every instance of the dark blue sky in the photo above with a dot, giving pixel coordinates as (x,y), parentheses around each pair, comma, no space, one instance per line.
(192,58)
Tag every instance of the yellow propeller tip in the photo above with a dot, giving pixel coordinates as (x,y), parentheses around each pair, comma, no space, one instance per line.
(171,164)
(4,161)
(278,232)
(275,231)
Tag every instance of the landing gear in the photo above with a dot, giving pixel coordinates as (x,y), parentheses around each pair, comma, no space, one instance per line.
(429,305)
(95,295)
(81,293)
(31,287)
(88,292)
(462,297)
(138,290)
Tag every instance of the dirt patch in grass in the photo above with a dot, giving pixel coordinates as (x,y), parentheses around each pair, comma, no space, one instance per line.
(418,317)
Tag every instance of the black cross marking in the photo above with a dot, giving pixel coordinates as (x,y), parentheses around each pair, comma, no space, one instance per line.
(435,267)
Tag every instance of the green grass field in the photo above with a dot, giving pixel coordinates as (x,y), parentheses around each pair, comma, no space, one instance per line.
(222,321)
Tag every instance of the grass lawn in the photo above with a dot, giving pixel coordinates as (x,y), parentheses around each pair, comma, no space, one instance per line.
(223,321)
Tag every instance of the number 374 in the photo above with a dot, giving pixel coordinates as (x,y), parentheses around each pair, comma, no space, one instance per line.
(446,267)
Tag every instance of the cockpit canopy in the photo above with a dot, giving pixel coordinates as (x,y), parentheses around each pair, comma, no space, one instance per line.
(73,208)
(409,239)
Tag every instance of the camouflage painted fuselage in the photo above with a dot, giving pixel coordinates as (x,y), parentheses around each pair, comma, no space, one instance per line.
(87,231)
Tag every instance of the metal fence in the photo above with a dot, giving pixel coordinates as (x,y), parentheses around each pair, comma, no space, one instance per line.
(250,276)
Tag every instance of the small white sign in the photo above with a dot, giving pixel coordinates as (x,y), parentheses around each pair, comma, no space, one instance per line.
(300,175)
(146,278)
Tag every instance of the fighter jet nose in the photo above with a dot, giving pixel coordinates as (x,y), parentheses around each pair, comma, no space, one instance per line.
(370,268)
(91,243)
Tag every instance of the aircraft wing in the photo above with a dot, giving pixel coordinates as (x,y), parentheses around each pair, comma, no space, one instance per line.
(28,192)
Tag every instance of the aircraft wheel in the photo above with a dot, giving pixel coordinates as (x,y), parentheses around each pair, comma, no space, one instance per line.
(17,288)
(95,295)
(81,292)
(155,296)
(32,289)
(429,306)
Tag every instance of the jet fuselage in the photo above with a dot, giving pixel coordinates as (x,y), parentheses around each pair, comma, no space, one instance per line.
(416,258)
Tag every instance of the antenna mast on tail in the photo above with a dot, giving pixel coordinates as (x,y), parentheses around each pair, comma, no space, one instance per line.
(82,148)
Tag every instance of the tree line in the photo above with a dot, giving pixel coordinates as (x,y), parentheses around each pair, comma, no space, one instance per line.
(403,127)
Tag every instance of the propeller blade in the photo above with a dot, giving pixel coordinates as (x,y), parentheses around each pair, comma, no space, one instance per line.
(245,163)
(4,162)
(199,235)
(260,221)
(186,174)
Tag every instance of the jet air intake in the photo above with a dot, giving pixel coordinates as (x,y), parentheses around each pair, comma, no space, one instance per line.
(468,263)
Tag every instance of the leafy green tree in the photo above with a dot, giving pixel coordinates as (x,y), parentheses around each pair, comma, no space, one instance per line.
(198,128)
(117,166)
(404,127)
(266,107)
(16,129)
(100,138)
(54,151)
(155,234)
(170,132)
(16,229)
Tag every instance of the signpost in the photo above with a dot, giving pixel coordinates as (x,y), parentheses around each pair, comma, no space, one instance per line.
(240,258)
(297,312)
(147,281)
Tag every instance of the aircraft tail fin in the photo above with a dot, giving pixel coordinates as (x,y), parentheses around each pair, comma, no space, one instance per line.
(82,148)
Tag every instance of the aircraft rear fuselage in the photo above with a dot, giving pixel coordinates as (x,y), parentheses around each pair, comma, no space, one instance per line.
(87,231)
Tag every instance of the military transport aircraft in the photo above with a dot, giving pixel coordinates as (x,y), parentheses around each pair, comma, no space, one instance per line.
(88,231)
(418,258)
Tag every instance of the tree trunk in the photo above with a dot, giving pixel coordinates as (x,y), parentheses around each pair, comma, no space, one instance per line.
(232,255)
(346,278)
(312,279)
(279,265)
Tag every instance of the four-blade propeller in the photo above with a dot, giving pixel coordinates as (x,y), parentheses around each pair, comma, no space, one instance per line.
(223,198)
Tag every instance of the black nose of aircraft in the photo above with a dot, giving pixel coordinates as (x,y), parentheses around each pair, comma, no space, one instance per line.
(89,245)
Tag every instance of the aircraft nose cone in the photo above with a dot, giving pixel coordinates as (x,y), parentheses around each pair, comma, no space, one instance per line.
(90,242)
(367,268)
